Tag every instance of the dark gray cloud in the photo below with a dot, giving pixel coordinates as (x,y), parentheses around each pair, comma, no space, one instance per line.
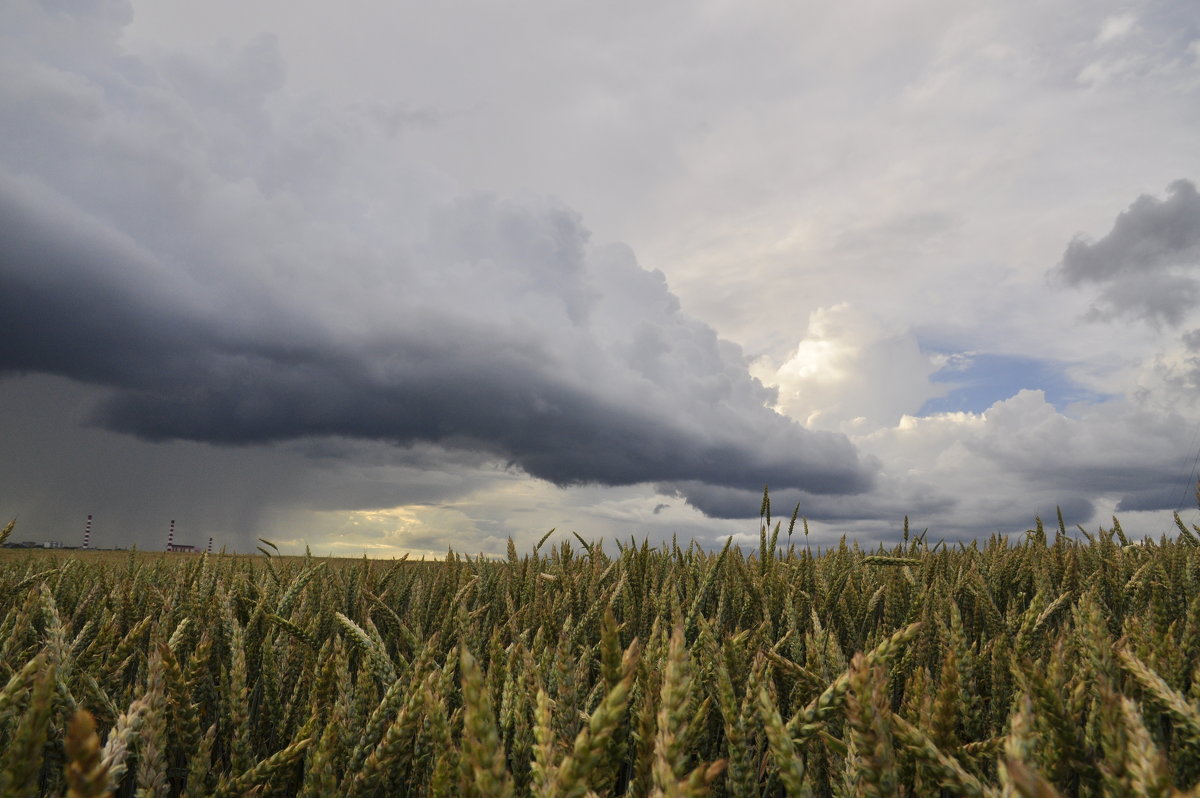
(665,401)
(58,469)
(153,249)
(1148,265)
(887,502)
(956,517)
(1163,497)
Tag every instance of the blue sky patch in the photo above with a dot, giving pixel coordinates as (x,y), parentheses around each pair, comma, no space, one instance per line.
(977,381)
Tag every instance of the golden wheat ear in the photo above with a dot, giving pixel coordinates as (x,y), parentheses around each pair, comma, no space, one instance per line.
(87,775)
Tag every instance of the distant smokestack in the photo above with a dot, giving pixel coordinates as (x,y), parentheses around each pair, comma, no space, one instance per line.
(209,546)
(87,533)
(171,536)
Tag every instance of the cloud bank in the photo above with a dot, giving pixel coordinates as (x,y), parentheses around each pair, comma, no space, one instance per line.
(178,234)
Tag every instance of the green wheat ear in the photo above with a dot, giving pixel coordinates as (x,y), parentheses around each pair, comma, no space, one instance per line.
(1003,668)
(483,753)
(22,759)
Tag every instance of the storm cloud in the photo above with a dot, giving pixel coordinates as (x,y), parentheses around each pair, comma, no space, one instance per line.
(1148,265)
(217,295)
(341,279)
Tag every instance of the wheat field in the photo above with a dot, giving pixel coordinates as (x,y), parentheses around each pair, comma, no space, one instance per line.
(1053,665)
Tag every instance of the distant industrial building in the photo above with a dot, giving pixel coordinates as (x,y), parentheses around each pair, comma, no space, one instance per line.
(186,548)
(172,546)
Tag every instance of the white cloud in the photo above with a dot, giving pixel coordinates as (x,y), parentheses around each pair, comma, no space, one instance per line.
(1116,27)
(850,373)
(1022,457)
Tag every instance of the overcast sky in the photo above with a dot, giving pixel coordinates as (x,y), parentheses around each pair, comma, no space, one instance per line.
(386,277)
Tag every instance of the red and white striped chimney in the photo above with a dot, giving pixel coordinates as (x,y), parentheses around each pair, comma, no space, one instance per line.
(171,537)
(87,533)
(209,546)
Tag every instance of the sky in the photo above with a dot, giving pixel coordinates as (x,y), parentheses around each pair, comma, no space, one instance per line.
(393,278)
